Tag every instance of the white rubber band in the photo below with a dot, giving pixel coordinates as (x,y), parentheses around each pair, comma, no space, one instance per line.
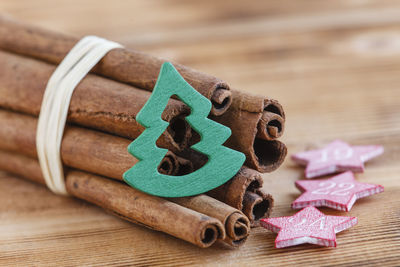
(55,104)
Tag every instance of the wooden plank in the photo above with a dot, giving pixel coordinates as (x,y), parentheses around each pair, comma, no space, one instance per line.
(334,65)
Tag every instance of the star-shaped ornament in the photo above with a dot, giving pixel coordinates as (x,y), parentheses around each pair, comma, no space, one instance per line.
(308,226)
(337,156)
(339,192)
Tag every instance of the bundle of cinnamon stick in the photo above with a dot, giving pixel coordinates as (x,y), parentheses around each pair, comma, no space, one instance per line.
(101,124)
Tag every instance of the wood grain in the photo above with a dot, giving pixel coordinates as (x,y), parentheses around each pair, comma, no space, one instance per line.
(334,66)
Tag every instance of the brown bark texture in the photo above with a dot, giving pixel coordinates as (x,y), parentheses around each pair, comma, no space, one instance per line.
(240,192)
(257,205)
(82,149)
(256,122)
(97,102)
(106,155)
(237,226)
(124,65)
(126,202)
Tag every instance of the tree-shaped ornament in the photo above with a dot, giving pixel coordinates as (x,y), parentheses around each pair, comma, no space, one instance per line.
(223,163)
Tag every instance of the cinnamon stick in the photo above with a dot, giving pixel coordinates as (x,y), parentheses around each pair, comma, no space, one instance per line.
(257,205)
(270,126)
(128,66)
(244,193)
(236,224)
(106,155)
(83,149)
(252,119)
(233,191)
(97,102)
(256,122)
(126,202)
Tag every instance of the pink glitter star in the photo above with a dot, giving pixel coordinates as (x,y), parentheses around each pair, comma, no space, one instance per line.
(337,156)
(339,192)
(308,226)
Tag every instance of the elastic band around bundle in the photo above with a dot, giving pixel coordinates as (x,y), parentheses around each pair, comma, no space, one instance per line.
(55,104)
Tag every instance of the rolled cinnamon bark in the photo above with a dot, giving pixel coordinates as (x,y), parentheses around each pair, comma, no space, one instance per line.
(237,226)
(128,66)
(257,205)
(97,102)
(126,202)
(184,166)
(233,191)
(81,148)
(256,122)
(244,193)
(270,126)
(106,155)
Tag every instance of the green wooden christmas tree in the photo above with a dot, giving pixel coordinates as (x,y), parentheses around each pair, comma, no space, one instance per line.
(223,163)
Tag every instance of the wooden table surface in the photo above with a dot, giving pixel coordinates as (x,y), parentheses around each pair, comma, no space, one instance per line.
(334,66)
